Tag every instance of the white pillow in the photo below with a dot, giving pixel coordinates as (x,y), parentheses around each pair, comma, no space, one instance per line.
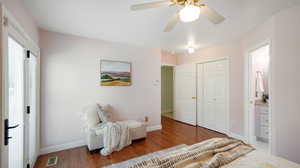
(91,116)
(105,113)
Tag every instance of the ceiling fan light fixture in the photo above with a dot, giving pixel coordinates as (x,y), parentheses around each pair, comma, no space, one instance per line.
(189,13)
(191,50)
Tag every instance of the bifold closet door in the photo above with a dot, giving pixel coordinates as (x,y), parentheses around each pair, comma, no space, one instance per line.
(221,105)
(212,96)
(185,93)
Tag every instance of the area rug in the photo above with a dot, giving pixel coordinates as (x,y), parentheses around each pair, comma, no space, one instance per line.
(144,157)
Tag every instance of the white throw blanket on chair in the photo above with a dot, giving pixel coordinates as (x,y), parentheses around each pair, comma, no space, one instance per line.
(116,137)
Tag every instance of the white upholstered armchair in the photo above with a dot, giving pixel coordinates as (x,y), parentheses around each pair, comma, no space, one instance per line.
(94,132)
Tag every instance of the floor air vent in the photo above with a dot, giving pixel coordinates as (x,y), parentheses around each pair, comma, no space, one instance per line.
(52,161)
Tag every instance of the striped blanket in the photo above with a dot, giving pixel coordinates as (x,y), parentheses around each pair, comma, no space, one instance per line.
(212,153)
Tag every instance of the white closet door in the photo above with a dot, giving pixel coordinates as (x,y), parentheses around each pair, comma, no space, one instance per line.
(221,96)
(212,96)
(200,98)
(185,93)
(209,116)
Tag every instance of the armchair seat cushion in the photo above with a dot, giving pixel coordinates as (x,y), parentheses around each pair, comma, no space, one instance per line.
(133,124)
(98,130)
(94,136)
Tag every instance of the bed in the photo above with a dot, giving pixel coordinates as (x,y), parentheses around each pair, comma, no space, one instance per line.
(213,153)
(259,159)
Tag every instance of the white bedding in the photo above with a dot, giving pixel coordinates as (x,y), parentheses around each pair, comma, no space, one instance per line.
(257,159)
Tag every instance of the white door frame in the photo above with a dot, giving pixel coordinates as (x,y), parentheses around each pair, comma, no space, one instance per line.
(227,89)
(11,27)
(9,31)
(247,96)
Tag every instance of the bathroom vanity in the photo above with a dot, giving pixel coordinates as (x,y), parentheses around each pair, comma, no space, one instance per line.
(262,121)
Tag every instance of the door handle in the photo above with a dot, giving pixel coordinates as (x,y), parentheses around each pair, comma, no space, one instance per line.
(12,127)
(6,131)
(194,97)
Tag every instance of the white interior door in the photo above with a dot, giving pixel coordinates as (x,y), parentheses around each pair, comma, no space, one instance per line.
(20,117)
(212,103)
(185,93)
(15,104)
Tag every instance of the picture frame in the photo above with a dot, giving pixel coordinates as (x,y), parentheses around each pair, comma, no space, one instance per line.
(115,73)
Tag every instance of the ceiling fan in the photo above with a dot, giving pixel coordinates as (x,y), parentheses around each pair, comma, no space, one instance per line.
(189,12)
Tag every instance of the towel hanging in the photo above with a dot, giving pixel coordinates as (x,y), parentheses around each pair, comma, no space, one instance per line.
(259,83)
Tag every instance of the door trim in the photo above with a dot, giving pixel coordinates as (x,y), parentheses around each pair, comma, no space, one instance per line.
(247,61)
(227,130)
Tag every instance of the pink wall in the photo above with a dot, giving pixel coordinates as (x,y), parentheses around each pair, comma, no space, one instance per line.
(70,79)
(167,58)
(20,12)
(286,82)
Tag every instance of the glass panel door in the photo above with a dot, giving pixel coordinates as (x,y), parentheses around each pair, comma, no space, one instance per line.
(15,92)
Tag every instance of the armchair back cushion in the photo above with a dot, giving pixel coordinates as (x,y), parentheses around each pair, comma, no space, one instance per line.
(105,113)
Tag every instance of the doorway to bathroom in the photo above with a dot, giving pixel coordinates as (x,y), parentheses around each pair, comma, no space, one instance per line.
(258,111)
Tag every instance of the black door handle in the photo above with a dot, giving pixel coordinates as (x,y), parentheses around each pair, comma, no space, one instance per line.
(12,127)
(6,129)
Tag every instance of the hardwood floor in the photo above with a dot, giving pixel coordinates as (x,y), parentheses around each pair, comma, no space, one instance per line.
(173,133)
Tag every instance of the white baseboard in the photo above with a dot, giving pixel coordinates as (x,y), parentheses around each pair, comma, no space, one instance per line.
(154,128)
(32,163)
(237,136)
(79,143)
(61,147)
(167,111)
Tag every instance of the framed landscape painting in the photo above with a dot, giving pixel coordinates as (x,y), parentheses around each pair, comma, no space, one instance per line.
(115,73)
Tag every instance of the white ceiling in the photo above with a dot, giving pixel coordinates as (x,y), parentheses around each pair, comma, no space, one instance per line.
(112,20)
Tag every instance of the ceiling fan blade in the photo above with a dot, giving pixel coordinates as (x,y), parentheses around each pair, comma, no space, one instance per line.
(151,5)
(172,22)
(211,15)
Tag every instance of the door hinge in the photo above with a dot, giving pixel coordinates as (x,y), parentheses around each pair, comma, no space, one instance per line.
(28,54)
(28,109)
(28,165)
